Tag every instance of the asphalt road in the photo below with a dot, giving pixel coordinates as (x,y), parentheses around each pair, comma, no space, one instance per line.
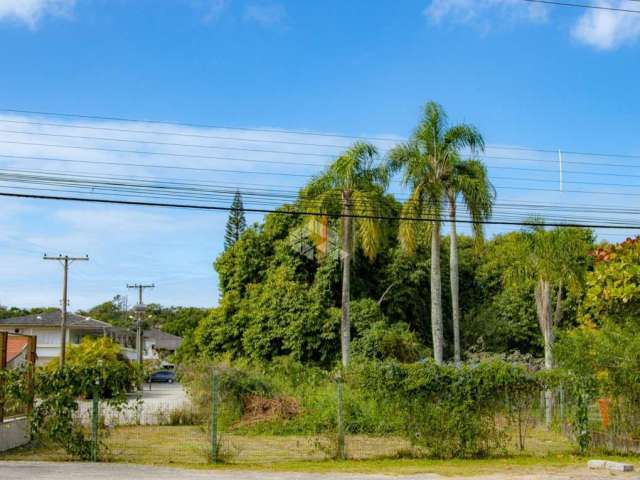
(110,471)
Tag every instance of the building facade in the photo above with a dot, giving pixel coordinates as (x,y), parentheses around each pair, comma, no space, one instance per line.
(46,327)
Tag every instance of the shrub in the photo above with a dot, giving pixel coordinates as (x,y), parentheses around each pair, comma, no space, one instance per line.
(381,341)
(103,357)
(453,412)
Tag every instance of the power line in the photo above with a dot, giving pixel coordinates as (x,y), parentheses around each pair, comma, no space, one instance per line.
(286,152)
(583,5)
(261,130)
(298,212)
(262,192)
(199,125)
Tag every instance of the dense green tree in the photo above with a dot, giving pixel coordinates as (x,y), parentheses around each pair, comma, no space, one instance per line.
(10,312)
(613,287)
(236,224)
(352,186)
(113,311)
(427,161)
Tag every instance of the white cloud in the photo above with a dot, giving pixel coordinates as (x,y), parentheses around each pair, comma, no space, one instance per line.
(266,14)
(30,12)
(599,29)
(607,30)
(467,11)
(214,9)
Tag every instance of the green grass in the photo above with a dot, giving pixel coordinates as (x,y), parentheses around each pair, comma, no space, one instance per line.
(187,446)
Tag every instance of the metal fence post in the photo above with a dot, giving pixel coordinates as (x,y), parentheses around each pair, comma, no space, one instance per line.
(214,418)
(94,421)
(340,413)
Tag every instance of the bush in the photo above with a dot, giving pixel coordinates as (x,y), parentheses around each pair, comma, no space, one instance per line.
(381,341)
(116,375)
(451,411)
(236,385)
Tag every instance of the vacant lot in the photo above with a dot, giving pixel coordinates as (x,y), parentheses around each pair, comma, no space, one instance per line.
(548,455)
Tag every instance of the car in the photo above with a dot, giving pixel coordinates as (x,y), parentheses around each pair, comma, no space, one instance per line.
(165,376)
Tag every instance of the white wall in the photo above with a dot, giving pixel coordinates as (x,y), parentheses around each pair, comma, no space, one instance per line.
(14,432)
(48,341)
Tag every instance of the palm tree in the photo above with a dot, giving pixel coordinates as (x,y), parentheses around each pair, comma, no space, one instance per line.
(469,180)
(427,161)
(352,187)
(550,260)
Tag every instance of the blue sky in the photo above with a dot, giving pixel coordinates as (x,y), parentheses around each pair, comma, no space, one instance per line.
(527,75)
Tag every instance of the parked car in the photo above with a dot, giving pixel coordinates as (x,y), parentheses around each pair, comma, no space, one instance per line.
(165,376)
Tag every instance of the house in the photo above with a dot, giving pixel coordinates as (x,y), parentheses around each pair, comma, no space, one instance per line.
(16,350)
(46,327)
(158,345)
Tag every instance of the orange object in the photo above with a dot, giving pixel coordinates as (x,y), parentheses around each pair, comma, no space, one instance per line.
(603,404)
(15,346)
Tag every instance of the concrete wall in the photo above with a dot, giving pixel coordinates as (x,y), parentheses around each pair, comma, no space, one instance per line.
(14,432)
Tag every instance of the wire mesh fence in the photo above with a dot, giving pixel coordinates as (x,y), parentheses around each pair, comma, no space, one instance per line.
(233,418)
(267,430)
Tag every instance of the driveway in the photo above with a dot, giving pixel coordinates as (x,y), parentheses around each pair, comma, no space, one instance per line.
(149,407)
(104,471)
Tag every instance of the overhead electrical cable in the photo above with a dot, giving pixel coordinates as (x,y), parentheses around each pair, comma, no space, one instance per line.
(298,212)
(583,5)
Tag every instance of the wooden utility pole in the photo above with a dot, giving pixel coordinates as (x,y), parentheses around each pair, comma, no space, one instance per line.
(139,309)
(66,261)
(4,342)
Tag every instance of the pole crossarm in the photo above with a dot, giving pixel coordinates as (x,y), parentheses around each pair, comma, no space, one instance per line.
(65,260)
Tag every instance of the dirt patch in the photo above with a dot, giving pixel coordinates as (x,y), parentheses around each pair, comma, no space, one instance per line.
(263,409)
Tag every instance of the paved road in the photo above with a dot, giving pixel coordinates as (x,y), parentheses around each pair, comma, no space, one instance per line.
(110,471)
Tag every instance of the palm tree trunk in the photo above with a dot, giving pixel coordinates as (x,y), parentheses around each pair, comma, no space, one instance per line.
(454,278)
(545,320)
(345,324)
(436,295)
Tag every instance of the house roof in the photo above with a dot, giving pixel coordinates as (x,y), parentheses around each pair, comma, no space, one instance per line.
(15,346)
(163,340)
(52,319)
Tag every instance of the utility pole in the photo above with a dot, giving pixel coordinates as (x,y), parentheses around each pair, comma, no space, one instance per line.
(139,309)
(65,260)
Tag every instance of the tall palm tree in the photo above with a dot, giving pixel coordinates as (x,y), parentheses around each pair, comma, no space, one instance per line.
(470,181)
(427,161)
(352,187)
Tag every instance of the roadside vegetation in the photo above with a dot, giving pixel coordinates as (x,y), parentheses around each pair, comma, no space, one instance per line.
(374,317)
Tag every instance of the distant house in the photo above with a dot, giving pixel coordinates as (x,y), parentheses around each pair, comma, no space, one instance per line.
(46,327)
(16,350)
(158,345)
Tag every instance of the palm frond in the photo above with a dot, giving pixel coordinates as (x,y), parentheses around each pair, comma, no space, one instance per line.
(471,180)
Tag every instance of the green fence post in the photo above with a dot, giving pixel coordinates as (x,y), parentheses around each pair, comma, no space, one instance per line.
(94,422)
(341,449)
(214,418)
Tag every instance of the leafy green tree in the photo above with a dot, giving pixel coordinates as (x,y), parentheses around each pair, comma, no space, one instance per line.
(11,312)
(117,374)
(236,224)
(427,162)
(353,186)
(469,180)
(113,311)
(613,287)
